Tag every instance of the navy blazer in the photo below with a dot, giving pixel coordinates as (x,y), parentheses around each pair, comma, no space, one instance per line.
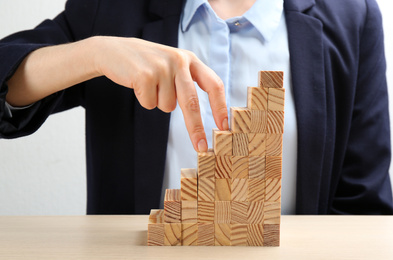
(339,85)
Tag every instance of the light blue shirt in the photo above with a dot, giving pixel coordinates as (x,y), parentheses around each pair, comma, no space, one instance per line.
(236,49)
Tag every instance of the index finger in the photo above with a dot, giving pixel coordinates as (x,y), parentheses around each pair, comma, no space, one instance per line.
(209,82)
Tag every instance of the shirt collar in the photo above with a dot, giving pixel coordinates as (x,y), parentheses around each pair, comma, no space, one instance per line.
(264,15)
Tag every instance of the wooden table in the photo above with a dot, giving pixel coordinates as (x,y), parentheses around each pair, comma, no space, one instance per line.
(124,237)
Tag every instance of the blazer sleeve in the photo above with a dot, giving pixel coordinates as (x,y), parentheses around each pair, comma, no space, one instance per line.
(74,23)
(364,186)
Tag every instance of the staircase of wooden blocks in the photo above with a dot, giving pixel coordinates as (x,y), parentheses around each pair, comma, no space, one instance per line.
(234,197)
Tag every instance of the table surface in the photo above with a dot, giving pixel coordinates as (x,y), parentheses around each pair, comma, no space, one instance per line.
(124,237)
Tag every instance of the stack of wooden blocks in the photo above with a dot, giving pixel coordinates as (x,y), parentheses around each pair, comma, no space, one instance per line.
(234,197)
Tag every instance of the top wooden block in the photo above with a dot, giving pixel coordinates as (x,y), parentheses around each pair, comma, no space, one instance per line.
(156,216)
(270,79)
(188,173)
(172,195)
(222,142)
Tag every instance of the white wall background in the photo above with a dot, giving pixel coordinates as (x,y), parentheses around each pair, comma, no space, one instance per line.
(44,174)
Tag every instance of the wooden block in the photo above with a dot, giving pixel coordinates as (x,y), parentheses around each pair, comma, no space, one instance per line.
(240,120)
(156,216)
(255,212)
(257,98)
(155,234)
(239,167)
(240,144)
(273,190)
(255,235)
(273,167)
(172,211)
(222,234)
(206,188)
(172,206)
(189,211)
(222,142)
(205,234)
(258,121)
(257,144)
(271,235)
(275,122)
(172,195)
(189,234)
(223,189)
(276,99)
(189,184)
(256,189)
(272,213)
(205,211)
(206,164)
(239,212)
(172,234)
(271,79)
(239,191)
(239,234)
(222,212)
(256,167)
(274,145)
(223,167)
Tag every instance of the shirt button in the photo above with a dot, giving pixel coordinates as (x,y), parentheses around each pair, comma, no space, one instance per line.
(237,23)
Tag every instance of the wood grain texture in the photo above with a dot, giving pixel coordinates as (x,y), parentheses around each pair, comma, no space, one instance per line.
(222,212)
(240,144)
(256,190)
(172,211)
(271,234)
(276,99)
(239,212)
(189,188)
(273,190)
(172,195)
(256,167)
(255,212)
(255,235)
(188,173)
(257,144)
(172,234)
(189,234)
(239,167)
(239,190)
(272,213)
(222,142)
(223,168)
(223,190)
(222,234)
(156,216)
(257,98)
(205,234)
(240,119)
(275,122)
(189,211)
(205,211)
(239,234)
(273,167)
(271,79)
(206,189)
(206,164)
(274,145)
(155,234)
(258,121)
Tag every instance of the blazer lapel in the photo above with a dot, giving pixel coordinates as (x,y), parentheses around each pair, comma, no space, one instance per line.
(151,127)
(308,79)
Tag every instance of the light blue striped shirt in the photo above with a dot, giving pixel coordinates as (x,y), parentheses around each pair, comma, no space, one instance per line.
(236,49)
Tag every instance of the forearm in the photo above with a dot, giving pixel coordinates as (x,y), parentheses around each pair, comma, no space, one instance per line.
(49,70)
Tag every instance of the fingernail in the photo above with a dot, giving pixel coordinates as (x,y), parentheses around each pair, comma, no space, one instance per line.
(225,124)
(202,145)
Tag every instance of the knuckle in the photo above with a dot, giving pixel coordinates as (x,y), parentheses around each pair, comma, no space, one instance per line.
(193,104)
(197,131)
